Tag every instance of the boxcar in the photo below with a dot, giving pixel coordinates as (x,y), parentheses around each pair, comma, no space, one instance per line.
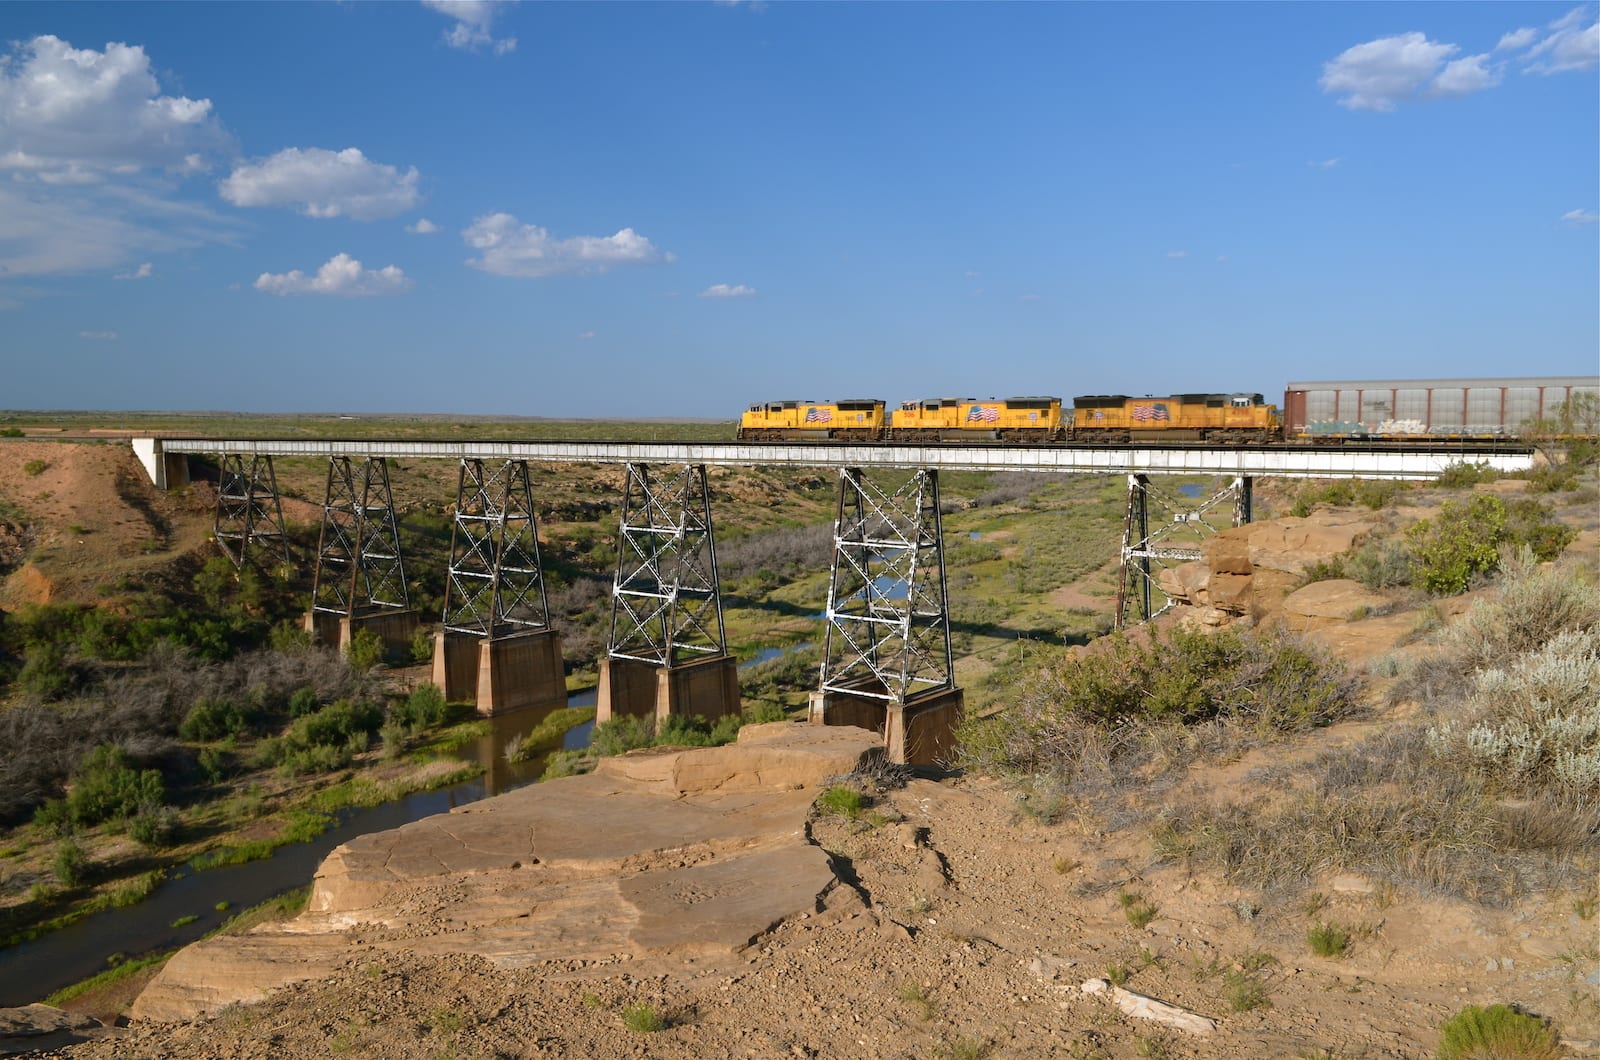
(1435,408)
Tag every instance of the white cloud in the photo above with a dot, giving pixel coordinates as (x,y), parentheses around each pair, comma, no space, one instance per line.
(474,18)
(423,227)
(322,183)
(970,274)
(585,336)
(1516,40)
(143,272)
(1380,73)
(71,116)
(95,154)
(510,248)
(1462,76)
(722,290)
(1177,253)
(1326,163)
(103,336)
(1570,45)
(1383,73)
(1029,297)
(1581,217)
(341,275)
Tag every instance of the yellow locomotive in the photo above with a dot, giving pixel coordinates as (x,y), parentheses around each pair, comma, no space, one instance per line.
(1235,419)
(1018,419)
(849,420)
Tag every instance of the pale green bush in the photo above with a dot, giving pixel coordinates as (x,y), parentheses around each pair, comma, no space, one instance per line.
(1535,725)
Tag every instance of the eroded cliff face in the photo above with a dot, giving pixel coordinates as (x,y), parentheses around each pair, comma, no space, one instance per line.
(687,854)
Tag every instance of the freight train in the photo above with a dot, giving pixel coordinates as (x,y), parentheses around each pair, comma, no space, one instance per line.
(1362,411)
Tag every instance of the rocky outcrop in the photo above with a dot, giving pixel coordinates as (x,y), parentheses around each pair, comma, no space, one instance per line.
(683,853)
(1251,570)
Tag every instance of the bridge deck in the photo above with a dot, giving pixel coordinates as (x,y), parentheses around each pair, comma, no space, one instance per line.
(1353,461)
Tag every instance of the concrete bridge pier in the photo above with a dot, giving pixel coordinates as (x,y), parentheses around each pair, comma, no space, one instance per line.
(918,732)
(708,688)
(516,671)
(666,655)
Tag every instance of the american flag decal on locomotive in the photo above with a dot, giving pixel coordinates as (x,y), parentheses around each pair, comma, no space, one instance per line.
(816,415)
(983,414)
(1156,412)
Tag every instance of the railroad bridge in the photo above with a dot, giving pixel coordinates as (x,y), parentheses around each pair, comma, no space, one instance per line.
(887,660)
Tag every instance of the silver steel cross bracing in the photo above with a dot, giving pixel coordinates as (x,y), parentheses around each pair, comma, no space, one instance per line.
(666,601)
(888,634)
(359,567)
(494,586)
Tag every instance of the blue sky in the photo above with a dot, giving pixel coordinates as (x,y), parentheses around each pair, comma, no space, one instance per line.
(677,209)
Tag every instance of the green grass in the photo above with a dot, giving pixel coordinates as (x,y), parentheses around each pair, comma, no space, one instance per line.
(841,801)
(1138,911)
(1328,940)
(1498,1031)
(642,1018)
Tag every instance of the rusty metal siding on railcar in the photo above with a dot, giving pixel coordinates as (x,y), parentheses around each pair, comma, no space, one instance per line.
(1427,406)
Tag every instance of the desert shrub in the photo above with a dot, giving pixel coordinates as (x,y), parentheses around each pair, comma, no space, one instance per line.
(1553,478)
(1533,727)
(424,708)
(46,675)
(1323,570)
(623,734)
(1380,564)
(421,645)
(212,719)
(53,817)
(365,650)
(1466,474)
(1498,1032)
(106,786)
(1531,524)
(288,637)
(1536,603)
(1328,940)
(643,1019)
(1465,541)
(154,826)
(775,556)
(336,723)
(303,701)
(1460,543)
(34,468)
(11,432)
(71,864)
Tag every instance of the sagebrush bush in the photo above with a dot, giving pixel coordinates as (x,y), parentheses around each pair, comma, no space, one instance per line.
(1536,603)
(1533,727)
